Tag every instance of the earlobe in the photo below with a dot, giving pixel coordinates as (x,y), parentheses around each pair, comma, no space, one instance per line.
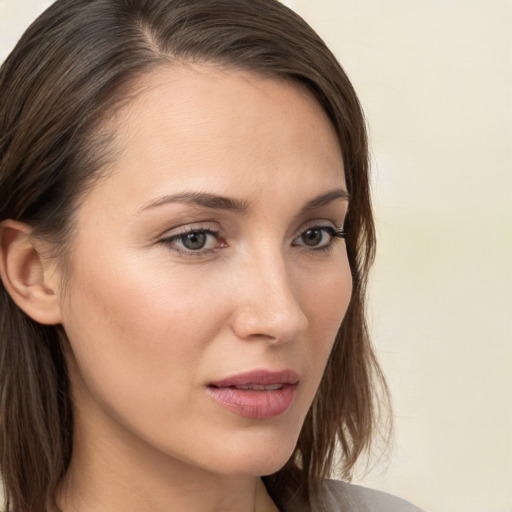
(28,276)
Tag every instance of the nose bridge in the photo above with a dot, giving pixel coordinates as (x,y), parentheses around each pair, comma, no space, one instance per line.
(270,305)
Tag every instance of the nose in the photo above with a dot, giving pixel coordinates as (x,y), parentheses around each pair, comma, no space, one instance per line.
(268,305)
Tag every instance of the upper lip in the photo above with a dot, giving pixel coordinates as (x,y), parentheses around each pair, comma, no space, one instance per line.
(258,377)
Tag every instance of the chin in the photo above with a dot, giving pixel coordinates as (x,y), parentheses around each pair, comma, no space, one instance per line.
(259,457)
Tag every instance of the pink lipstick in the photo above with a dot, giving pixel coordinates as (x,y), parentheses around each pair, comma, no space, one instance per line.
(258,394)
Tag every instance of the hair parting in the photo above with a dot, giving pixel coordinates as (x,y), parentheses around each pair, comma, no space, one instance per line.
(78,63)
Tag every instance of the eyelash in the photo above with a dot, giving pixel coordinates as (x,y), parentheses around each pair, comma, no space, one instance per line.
(169,241)
(335,233)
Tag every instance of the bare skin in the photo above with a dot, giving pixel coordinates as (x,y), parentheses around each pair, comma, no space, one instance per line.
(172,289)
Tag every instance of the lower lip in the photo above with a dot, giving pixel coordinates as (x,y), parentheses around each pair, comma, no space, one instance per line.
(255,404)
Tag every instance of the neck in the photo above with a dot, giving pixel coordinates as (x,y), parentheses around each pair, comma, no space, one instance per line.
(114,472)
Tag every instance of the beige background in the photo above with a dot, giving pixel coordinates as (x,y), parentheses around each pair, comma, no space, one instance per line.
(434,77)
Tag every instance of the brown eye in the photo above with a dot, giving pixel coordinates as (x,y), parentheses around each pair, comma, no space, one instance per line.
(313,237)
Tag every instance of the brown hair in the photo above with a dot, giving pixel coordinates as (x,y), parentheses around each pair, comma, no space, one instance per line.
(73,66)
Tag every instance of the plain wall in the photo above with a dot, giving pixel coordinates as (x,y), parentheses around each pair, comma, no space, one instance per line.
(434,78)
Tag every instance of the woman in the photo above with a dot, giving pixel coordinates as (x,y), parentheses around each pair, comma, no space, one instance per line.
(183,280)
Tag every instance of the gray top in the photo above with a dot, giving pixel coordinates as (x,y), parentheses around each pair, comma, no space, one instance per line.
(338,496)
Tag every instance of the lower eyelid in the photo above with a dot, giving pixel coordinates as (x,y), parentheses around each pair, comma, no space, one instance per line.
(172,243)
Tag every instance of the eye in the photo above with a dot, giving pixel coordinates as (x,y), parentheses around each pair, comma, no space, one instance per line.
(194,241)
(319,237)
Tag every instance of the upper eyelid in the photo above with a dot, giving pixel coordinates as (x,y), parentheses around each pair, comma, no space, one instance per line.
(180,234)
(201,229)
(172,238)
(217,231)
(187,228)
(319,223)
(335,230)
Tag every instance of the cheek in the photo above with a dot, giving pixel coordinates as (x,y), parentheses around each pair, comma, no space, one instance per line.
(144,335)
(326,297)
(135,334)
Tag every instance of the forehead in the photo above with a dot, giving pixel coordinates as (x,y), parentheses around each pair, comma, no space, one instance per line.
(201,93)
(219,128)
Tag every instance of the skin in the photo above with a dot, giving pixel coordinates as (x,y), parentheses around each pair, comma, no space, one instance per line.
(151,323)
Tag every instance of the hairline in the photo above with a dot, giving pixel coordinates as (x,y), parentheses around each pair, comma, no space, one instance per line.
(105,130)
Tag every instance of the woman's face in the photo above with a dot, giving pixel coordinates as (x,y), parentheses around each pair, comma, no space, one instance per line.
(208,274)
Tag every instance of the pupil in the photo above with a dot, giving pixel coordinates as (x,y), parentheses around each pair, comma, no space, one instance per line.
(312,237)
(194,241)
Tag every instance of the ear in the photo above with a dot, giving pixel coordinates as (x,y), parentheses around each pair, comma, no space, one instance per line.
(29,277)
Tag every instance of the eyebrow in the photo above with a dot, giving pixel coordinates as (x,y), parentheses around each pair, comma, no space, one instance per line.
(325,199)
(201,199)
(238,205)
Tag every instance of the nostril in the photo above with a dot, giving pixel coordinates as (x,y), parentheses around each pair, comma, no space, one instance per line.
(269,323)
(268,307)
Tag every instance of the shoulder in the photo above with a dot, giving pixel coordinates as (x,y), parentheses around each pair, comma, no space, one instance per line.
(335,496)
(341,496)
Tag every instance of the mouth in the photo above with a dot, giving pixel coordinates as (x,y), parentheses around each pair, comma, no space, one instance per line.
(256,387)
(259,394)
(258,380)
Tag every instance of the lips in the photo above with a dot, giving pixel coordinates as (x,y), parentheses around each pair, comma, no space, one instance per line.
(258,378)
(258,394)
(259,387)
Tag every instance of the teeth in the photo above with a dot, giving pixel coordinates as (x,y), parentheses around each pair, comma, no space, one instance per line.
(259,387)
